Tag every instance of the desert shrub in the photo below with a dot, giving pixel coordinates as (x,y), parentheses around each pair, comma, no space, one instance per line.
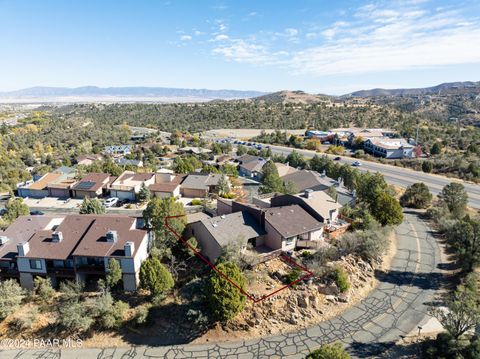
(341,279)
(43,290)
(109,314)
(307,254)
(294,274)
(196,202)
(329,351)
(370,244)
(198,318)
(141,314)
(24,321)
(74,316)
(11,296)
(71,290)
(416,196)
(155,277)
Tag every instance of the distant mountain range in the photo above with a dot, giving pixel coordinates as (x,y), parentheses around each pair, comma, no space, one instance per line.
(122,94)
(166,94)
(445,88)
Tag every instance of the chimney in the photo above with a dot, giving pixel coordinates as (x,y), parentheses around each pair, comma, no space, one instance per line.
(23,249)
(57,236)
(129,249)
(112,236)
(308,193)
(3,240)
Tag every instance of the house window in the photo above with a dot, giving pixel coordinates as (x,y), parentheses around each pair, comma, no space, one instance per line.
(35,264)
(289,241)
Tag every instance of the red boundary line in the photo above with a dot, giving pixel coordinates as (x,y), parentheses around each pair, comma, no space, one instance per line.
(211,265)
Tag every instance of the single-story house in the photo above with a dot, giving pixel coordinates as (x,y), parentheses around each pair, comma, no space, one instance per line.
(93,185)
(194,150)
(252,169)
(127,162)
(128,184)
(287,224)
(200,185)
(39,188)
(318,204)
(120,150)
(87,160)
(214,234)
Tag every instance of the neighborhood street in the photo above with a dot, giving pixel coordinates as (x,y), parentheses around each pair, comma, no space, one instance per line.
(393,309)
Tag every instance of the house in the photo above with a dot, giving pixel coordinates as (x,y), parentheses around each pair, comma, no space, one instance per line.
(87,160)
(93,185)
(77,247)
(166,186)
(129,183)
(200,185)
(117,151)
(194,150)
(307,179)
(318,204)
(253,168)
(288,224)
(237,229)
(21,230)
(389,147)
(127,162)
(39,188)
(54,184)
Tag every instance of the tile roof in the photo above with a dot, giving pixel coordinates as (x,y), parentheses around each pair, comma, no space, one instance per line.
(291,220)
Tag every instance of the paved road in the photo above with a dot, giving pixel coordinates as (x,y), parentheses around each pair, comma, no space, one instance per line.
(394,308)
(399,176)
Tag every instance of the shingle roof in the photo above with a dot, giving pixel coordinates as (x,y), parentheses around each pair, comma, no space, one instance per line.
(321,202)
(291,220)
(308,179)
(21,230)
(43,182)
(201,181)
(168,187)
(232,227)
(97,181)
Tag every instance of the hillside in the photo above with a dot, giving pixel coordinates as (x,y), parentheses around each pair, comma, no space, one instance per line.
(292,97)
(442,89)
(122,94)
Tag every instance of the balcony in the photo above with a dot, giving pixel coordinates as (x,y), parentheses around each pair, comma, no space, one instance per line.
(8,272)
(61,272)
(91,269)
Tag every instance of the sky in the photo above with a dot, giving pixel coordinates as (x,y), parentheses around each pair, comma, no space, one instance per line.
(318,46)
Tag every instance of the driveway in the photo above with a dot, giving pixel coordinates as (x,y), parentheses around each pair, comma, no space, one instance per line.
(393,309)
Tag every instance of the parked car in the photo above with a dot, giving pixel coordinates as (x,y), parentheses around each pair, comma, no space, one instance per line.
(338,158)
(122,202)
(110,202)
(356,164)
(36,213)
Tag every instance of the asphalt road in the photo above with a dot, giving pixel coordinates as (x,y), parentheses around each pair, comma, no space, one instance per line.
(399,176)
(393,309)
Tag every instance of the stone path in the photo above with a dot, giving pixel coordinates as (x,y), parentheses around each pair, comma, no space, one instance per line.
(393,309)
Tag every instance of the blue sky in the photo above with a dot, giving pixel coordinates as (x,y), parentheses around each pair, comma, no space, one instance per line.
(318,46)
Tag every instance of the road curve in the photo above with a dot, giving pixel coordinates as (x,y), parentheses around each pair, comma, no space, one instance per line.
(395,307)
(399,176)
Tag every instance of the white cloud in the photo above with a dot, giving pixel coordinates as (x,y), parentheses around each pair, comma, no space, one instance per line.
(221,37)
(185,37)
(378,38)
(253,13)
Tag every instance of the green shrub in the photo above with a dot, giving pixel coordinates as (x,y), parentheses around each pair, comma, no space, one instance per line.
(329,351)
(43,290)
(224,300)
(11,296)
(294,274)
(141,315)
(155,277)
(196,202)
(74,316)
(341,279)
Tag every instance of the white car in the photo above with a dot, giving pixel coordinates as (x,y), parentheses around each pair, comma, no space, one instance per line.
(110,202)
(356,164)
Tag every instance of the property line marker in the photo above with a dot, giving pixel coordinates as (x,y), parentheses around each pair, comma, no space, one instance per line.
(211,265)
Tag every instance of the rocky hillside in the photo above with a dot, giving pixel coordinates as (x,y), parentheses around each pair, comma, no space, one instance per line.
(442,89)
(292,97)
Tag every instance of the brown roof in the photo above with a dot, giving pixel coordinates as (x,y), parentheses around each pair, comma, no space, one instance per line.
(97,181)
(94,242)
(43,182)
(21,230)
(291,221)
(85,235)
(164,187)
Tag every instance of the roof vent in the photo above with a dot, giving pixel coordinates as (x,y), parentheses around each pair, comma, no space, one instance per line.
(112,236)
(308,193)
(57,236)
(3,240)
